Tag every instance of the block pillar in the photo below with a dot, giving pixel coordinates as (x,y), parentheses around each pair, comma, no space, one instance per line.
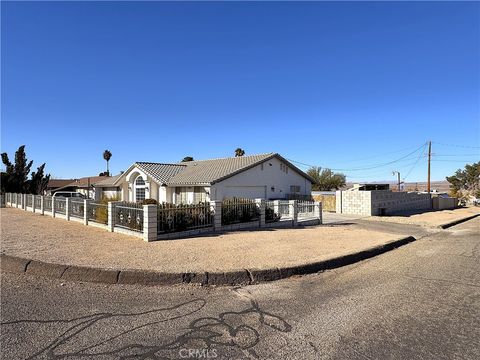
(338,202)
(149,222)
(24,202)
(261,206)
(86,205)
(216,206)
(67,209)
(317,211)
(53,206)
(111,216)
(42,205)
(294,211)
(276,207)
(33,203)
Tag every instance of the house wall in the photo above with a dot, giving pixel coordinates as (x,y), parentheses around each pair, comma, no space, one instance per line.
(258,183)
(372,202)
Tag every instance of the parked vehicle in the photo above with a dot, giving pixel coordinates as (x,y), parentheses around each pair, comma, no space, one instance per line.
(67,194)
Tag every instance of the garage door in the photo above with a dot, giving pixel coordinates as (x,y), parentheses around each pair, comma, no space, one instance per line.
(249,192)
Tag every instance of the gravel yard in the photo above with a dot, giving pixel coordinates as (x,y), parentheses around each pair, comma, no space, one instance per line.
(429,219)
(43,238)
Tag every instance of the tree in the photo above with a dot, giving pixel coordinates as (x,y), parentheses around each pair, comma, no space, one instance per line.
(239,152)
(326,179)
(15,177)
(187,159)
(466,183)
(107,155)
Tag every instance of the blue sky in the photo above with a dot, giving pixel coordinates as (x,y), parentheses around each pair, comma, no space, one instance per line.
(341,85)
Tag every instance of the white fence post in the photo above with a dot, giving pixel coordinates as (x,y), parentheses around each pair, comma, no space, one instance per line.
(67,209)
(150,222)
(33,203)
(276,206)
(42,205)
(261,205)
(111,216)
(216,206)
(294,210)
(53,206)
(24,202)
(317,211)
(86,204)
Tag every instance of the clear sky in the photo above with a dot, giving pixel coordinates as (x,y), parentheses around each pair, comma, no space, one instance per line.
(341,85)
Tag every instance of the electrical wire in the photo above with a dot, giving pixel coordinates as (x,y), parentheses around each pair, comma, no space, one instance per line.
(460,146)
(415,164)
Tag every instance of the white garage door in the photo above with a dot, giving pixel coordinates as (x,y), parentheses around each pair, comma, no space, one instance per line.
(248,192)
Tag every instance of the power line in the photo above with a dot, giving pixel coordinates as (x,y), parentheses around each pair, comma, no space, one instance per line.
(415,164)
(460,146)
(368,167)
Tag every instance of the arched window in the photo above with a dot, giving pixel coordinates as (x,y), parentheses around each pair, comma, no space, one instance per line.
(139,189)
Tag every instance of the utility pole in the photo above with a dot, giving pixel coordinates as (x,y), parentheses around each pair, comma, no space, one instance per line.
(398,174)
(429,159)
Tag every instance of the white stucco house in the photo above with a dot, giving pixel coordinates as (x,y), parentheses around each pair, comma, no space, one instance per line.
(266,176)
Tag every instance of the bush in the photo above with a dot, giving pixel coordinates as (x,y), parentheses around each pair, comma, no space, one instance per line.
(238,210)
(149,202)
(171,217)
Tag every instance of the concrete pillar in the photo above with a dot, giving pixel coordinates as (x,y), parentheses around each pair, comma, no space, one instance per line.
(86,204)
(42,205)
(317,211)
(261,205)
(149,222)
(111,216)
(16,199)
(276,207)
(33,203)
(67,209)
(24,202)
(216,206)
(294,211)
(338,202)
(53,206)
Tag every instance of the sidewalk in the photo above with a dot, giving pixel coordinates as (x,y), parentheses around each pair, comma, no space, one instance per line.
(35,237)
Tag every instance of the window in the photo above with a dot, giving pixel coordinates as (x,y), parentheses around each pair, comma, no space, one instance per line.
(199,195)
(181,195)
(139,189)
(294,188)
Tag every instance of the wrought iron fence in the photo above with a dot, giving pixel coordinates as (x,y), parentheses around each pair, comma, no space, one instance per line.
(285,209)
(129,216)
(47,203)
(271,212)
(239,211)
(29,200)
(98,213)
(173,218)
(38,202)
(306,208)
(77,208)
(60,205)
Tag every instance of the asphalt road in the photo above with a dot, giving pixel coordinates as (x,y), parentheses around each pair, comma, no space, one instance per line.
(421,301)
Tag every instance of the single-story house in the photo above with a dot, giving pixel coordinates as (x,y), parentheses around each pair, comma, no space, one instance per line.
(54,184)
(266,176)
(83,185)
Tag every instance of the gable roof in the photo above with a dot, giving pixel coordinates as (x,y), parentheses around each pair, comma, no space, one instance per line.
(161,173)
(56,183)
(108,182)
(207,172)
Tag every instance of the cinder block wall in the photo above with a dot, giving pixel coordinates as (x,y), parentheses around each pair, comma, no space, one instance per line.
(371,202)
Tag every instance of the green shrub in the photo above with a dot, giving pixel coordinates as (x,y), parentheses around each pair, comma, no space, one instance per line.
(149,202)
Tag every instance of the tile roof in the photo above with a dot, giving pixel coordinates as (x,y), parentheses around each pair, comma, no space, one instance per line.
(86,181)
(108,182)
(160,172)
(56,183)
(215,170)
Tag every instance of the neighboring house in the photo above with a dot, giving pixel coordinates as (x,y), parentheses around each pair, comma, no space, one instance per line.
(54,184)
(83,185)
(266,176)
(106,188)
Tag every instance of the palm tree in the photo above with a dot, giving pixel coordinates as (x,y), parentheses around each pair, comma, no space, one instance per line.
(239,152)
(107,155)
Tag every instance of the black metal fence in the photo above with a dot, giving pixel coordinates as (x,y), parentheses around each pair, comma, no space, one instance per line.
(38,202)
(77,208)
(173,218)
(29,200)
(97,213)
(128,216)
(60,205)
(47,203)
(239,211)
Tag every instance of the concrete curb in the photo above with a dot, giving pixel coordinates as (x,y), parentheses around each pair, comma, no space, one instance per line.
(142,277)
(456,222)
